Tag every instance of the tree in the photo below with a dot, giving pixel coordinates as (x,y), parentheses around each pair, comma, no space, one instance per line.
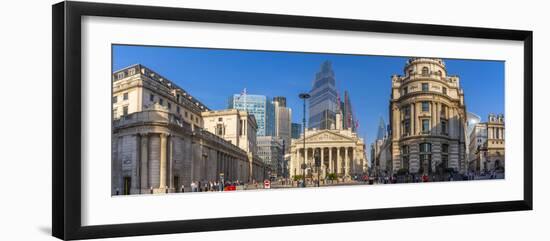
(297,177)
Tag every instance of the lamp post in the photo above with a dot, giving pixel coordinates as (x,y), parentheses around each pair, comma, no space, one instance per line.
(304,96)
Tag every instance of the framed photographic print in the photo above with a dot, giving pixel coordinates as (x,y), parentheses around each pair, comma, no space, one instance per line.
(171,120)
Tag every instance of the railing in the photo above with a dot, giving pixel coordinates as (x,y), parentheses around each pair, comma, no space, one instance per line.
(149,116)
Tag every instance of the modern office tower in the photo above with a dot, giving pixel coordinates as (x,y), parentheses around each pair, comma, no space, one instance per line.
(323,103)
(258,105)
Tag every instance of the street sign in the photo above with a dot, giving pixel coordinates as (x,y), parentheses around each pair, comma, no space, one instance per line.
(267,184)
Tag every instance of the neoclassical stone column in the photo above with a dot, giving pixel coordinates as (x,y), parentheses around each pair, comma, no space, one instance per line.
(322,167)
(144,168)
(162,183)
(346,161)
(412,119)
(432,115)
(330,167)
(305,156)
(338,161)
(171,162)
(438,118)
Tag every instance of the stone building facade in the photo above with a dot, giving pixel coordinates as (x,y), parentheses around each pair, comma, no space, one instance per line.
(158,138)
(239,128)
(428,118)
(487,145)
(340,151)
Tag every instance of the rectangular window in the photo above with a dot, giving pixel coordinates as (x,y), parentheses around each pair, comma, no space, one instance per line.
(445,148)
(405,90)
(407,111)
(115,99)
(178,109)
(406,127)
(444,127)
(425,126)
(425,106)
(220,119)
(125,110)
(186,114)
(444,90)
(241,128)
(125,96)
(425,87)
(151,97)
(219,129)
(161,101)
(169,106)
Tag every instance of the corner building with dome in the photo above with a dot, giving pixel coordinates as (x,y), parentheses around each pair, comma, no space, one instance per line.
(428,119)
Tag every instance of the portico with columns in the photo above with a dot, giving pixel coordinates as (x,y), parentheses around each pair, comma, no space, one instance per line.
(340,151)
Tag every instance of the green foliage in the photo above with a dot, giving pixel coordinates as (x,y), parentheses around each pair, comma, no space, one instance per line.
(332,176)
(297,177)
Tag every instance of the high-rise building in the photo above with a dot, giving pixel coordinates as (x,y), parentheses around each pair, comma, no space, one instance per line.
(381,129)
(258,105)
(323,103)
(270,150)
(296,130)
(283,118)
(347,113)
(428,119)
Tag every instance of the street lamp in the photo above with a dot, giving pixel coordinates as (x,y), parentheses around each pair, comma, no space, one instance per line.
(304,96)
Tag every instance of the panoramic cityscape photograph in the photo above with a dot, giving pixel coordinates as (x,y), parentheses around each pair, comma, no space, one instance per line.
(187,119)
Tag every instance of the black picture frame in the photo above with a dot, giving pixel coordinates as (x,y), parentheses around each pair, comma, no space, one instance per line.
(66,135)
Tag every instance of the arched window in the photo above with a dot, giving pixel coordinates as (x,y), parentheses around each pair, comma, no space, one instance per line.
(425,71)
(425,157)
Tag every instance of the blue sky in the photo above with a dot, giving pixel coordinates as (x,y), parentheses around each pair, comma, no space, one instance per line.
(212,75)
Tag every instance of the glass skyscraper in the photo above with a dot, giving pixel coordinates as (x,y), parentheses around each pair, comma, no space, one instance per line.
(296,130)
(258,105)
(323,103)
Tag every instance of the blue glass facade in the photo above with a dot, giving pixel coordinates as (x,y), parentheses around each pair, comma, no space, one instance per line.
(258,105)
(323,103)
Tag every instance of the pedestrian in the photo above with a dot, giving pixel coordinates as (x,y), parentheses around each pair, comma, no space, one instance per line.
(182,188)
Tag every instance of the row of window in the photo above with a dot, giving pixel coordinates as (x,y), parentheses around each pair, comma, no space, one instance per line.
(124,111)
(124,97)
(425,156)
(178,110)
(425,127)
(426,72)
(121,75)
(425,88)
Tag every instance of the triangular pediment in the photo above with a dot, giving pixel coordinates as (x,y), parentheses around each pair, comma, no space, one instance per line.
(328,136)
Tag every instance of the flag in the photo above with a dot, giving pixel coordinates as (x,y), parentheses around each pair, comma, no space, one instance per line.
(243,93)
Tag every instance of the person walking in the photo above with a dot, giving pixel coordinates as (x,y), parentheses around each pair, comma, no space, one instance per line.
(182,188)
